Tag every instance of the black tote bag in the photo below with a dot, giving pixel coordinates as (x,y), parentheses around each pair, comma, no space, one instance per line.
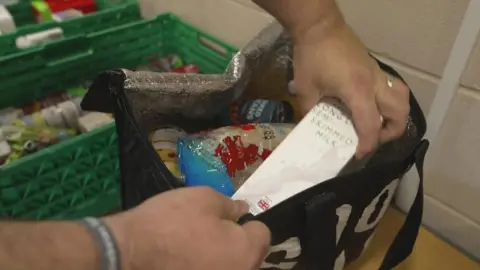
(323,227)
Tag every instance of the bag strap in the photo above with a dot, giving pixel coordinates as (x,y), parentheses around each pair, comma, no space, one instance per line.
(321,219)
(404,242)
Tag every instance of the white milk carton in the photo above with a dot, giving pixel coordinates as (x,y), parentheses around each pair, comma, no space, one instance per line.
(316,150)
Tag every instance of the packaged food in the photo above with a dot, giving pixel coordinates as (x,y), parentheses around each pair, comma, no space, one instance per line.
(257,111)
(5,150)
(224,158)
(70,114)
(53,117)
(67,15)
(93,120)
(164,141)
(9,116)
(34,119)
(322,143)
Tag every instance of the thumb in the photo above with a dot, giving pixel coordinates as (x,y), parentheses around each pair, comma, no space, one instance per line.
(259,237)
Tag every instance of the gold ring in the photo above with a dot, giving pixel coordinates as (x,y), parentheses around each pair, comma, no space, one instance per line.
(390,79)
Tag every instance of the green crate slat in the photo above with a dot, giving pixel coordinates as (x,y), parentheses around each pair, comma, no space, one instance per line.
(79,177)
(21,13)
(109,14)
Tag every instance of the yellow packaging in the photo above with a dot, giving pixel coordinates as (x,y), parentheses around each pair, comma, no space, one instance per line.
(164,141)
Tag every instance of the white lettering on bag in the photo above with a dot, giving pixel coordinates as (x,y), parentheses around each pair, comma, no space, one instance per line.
(343,214)
(363,224)
(292,245)
(293,250)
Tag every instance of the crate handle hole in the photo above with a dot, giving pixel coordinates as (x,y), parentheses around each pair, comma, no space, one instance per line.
(212,45)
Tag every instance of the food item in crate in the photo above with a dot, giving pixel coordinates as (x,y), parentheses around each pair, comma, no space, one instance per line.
(70,113)
(61,110)
(9,115)
(164,141)
(189,68)
(37,38)
(7,24)
(25,140)
(94,120)
(224,158)
(38,105)
(5,150)
(67,15)
(172,63)
(257,111)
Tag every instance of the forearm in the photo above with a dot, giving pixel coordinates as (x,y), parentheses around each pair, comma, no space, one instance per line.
(46,246)
(298,16)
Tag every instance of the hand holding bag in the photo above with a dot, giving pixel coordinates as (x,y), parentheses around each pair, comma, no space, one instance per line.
(323,227)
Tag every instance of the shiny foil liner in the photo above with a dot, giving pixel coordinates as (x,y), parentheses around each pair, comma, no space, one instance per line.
(262,69)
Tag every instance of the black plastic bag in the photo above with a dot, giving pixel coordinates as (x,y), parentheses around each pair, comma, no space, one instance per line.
(323,227)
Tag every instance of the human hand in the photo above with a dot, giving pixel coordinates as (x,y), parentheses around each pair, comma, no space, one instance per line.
(189,228)
(335,63)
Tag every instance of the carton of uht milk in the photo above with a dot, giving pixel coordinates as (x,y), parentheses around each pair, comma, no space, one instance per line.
(316,150)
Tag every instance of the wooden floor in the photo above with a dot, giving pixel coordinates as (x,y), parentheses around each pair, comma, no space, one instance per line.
(430,252)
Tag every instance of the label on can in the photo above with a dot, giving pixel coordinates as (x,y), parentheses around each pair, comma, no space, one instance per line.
(53,117)
(258,111)
(166,138)
(70,113)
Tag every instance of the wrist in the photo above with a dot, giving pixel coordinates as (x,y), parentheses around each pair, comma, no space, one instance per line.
(319,28)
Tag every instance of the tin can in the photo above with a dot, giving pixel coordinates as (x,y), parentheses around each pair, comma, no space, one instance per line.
(257,111)
(78,101)
(53,117)
(164,142)
(70,113)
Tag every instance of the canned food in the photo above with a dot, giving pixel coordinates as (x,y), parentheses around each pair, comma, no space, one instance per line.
(34,119)
(70,113)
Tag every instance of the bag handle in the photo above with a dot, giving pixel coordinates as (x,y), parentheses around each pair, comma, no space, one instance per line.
(321,218)
(404,242)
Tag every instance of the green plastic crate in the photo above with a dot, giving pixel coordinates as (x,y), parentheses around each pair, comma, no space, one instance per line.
(21,13)
(28,72)
(109,13)
(80,176)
